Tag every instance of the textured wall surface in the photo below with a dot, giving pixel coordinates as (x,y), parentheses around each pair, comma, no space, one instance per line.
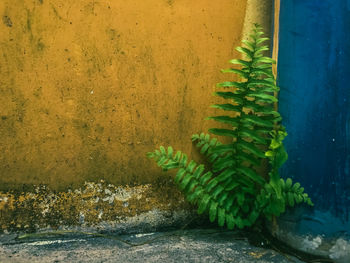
(88,87)
(314,76)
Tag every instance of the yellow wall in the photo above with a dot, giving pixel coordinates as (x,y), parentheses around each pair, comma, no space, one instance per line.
(88,87)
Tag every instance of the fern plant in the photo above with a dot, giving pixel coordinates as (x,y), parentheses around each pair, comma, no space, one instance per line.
(230,189)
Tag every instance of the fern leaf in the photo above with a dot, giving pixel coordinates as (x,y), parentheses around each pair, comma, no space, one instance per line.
(206,144)
(251,148)
(214,142)
(265,97)
(261,40)
(239,222)
(198,194)
(223,132)
(151,155)
(203,204)
(162,150)
(205,178)
(221,199)
(230,221)
(177,156)
(260,49)
(298,198)
(224,148)
(224,119)
(230,95)
(191,186)
(260,82)
(263,60)
(191,166)
(224,163)
(221,216)
(213,157)
(251,174)
(170,165)
(248,158)
(240,198)
(183,160)
(218,190)
(282,184)
(262,72)
(232,186)
(252,135)
(227,107)
(261,109)
(290,198)
(240,62)
(240,72)
(245,51)
(204,148)
(211,184)
(195,137)
(179,175)
(300,190)
(258,121)
(249,44)
(295,187)
(170,152)
(198,171)
(185,181)
(162,160)
(228,173)
(289,183)
(229,84)
(228,202)
(213,211)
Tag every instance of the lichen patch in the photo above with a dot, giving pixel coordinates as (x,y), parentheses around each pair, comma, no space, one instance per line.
(94,204)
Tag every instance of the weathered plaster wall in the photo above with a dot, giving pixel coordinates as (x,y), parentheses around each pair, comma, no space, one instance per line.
(88,87)
(95,205)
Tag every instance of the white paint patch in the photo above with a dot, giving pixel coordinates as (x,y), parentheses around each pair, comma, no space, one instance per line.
(312,244)
(50,242)
(340,250)
(143,235)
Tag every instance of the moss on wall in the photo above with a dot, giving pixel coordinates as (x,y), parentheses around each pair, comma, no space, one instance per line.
(99,205)
(88,87)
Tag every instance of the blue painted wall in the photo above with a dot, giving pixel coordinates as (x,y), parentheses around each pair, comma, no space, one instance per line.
(314,77)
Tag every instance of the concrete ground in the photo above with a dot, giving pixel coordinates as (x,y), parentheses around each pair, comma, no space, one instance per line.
(196,245)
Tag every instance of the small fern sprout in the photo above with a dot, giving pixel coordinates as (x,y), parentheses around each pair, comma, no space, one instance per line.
(230,189)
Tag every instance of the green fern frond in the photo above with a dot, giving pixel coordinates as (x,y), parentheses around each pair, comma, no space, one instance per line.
(199,187)
(206,145)
(231,190)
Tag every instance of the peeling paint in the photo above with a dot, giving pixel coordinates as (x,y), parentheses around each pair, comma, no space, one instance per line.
(340,250)
(337,249)
(311,243)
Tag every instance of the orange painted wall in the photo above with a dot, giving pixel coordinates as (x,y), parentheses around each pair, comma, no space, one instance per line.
(88,87)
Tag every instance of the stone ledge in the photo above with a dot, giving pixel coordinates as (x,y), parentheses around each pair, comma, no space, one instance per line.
(101,206)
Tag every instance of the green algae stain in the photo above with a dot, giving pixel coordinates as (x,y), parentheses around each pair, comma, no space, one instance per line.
(7,21)
(40,45)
